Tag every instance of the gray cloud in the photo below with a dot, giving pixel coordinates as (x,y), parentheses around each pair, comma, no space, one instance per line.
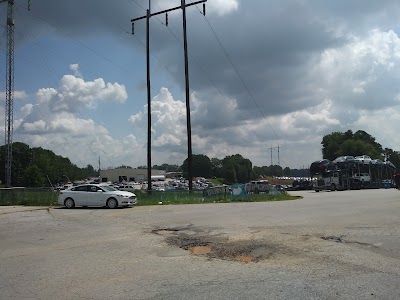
(293,56)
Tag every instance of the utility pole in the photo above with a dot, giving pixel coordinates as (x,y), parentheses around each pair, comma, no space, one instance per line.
(272,148)
(188,123)
(279,162)
(9,113)
(9,124)
(271,154)
(148,99)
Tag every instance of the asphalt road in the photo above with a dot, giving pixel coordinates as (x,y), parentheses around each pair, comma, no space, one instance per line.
(329,245)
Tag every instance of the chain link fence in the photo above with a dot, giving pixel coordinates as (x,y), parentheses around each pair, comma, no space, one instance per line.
(28,196)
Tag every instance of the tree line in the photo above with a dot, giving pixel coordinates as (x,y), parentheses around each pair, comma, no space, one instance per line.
(35,167)
(354,144)
(38,167)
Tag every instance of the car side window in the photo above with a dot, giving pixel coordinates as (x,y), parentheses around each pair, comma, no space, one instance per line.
(93,188)
(81,188)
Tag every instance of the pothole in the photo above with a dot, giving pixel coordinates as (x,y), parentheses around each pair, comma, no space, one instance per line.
(186,242)
(337,239)
(164,231)
(220,248)
(200,250)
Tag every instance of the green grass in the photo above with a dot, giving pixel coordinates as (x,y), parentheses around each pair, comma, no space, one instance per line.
(217,181)
(184,197)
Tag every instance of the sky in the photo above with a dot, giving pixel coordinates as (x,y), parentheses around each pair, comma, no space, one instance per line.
(263,75)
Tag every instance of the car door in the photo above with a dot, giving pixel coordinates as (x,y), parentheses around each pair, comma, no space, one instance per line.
(79,195)
(94,197)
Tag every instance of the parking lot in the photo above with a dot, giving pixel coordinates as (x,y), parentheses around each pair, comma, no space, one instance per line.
(328,245)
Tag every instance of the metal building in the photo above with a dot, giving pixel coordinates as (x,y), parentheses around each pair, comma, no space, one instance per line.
(128,175)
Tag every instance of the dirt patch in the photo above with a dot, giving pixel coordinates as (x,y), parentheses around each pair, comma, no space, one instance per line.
(244,250)
(200,250)
(165,231)
(185,242)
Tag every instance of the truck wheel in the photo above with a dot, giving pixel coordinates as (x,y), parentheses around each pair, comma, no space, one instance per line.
(333,187)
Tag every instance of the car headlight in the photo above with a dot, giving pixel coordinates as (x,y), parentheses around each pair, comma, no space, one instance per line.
(122,196)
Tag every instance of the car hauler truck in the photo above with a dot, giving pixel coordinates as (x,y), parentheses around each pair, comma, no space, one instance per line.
(346,173)
(335,180)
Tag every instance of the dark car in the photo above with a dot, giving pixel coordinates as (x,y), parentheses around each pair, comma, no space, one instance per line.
(319,166)
(302,185)
(344,161)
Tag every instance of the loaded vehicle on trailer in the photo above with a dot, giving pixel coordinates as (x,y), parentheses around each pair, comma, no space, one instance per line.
(335,180)
(347,172)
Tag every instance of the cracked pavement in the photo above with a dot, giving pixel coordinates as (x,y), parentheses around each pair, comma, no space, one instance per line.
(329,245)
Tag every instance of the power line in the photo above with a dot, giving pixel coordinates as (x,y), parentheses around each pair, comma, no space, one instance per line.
(188,122)
(238,74)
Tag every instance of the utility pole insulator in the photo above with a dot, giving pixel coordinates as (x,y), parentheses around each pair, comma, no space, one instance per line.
(166,19)
(204,9)
(133,28)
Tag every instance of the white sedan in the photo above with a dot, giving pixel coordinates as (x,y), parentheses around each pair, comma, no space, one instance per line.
(364,159)
(95,195)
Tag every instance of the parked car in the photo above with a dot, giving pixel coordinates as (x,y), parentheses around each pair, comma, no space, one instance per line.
(302,185)
(96,195)
(364,159)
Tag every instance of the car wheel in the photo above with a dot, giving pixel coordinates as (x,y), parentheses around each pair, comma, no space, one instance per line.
(69,203)
(112,203)
(333,187)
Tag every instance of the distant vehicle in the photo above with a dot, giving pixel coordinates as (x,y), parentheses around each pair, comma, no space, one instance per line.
(302,184)
(128,188)
(365,159)
(157,177)
(319,166)
(377,162)
(362,177)
(344,161)
(258,186)
(96,195)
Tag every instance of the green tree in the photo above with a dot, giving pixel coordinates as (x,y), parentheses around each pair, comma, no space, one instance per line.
(242,167)
(229,173)
(33,177)
(216,167)
(360,143)
(286,171)
(201,166)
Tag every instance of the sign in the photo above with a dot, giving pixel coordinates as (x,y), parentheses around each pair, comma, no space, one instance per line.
(238,190)
(215,191)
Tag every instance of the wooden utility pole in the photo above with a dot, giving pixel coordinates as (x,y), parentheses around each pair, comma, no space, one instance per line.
(187,90)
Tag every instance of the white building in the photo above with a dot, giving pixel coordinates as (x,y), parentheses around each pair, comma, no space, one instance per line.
(128,175)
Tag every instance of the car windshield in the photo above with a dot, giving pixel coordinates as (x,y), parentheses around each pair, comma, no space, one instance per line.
(108,188)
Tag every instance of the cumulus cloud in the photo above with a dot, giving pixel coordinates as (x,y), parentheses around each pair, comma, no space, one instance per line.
(55,122)
(18,95)
(287,72)
(75,68)
(168,121)
(76,93)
